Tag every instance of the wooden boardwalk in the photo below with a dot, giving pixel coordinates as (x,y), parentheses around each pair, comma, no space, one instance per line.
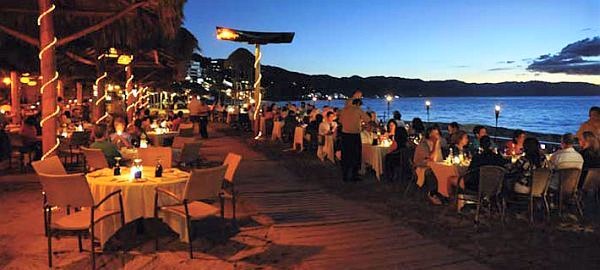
(331,232)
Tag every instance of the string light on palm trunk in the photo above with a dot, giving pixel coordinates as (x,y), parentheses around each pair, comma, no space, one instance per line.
(103,97)
(257,82)
(49,82)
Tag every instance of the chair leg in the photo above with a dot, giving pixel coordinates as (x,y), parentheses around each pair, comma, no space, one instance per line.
(79,242)
(233,201)
(92,249)
(49,233)
(477,211)
(189,231)
(578,205)
(531,210)
(546,208)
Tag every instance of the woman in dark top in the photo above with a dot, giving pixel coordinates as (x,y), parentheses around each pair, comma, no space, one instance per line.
(398,163)
(391,128)
(590,150)
(525,165)
(485,158)
(459,142)
(417,128)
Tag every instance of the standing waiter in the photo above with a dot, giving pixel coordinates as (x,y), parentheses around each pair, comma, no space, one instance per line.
(351,118)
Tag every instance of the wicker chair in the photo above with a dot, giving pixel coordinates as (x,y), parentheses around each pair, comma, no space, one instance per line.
(538,190)
(201,190)
(73,191)
(491,179)
(569,181)
(462,193)
(94,159)
(591,184)
(190,154)
(73,150)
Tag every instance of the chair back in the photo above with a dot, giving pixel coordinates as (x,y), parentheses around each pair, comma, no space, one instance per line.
(190,152)
(186,132)
(80,138)
(179,141)
(94,158)
(490,180)
(66,190)
(16,140)
(50,165)
(232,161)
(204,184)
(592,180)
(151,154)
(540,182)
(568,179)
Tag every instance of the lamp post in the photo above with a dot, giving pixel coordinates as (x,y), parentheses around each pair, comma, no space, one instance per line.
(388,98)
(427,106)
(256,39)
(314,100)
(329,98)
(497,112)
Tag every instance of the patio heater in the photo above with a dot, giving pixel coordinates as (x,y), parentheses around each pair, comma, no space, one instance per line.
(256,39)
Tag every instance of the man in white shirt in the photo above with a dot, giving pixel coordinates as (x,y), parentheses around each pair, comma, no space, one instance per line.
(565,158)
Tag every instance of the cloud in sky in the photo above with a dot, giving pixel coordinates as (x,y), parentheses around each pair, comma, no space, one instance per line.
(500,69)
(572,59)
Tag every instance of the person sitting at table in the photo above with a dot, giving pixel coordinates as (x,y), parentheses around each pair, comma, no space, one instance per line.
(120,137)
(177,120)
(391,127)
(109,149)
(590,151)
(485,158)
(29,131)
(429,150)
(515,146)
(478,131)
(398,163)
(459,142)
(397,117)
(452,128)
(135,132)
(65,118)
(522,170)
(565,158)
(416,128)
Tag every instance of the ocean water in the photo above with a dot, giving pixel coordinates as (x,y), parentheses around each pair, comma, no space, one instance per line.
(555,115)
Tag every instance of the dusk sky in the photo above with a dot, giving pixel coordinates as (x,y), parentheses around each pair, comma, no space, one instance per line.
(473,41)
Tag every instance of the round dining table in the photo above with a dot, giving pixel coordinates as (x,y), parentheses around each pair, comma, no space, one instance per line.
(138,197)
(158,138)
(374,156)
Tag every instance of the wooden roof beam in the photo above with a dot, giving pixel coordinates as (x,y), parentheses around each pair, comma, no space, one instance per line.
(80,59)
(83,13)
(23,37)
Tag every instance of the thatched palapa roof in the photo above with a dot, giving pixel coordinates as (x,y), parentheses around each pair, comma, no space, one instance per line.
(148,29)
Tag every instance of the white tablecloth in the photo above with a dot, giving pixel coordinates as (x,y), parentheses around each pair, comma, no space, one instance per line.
(158,139)
(138,198)
(277,127)
(326,151)
(373,156)
(298,138)
(446,174)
